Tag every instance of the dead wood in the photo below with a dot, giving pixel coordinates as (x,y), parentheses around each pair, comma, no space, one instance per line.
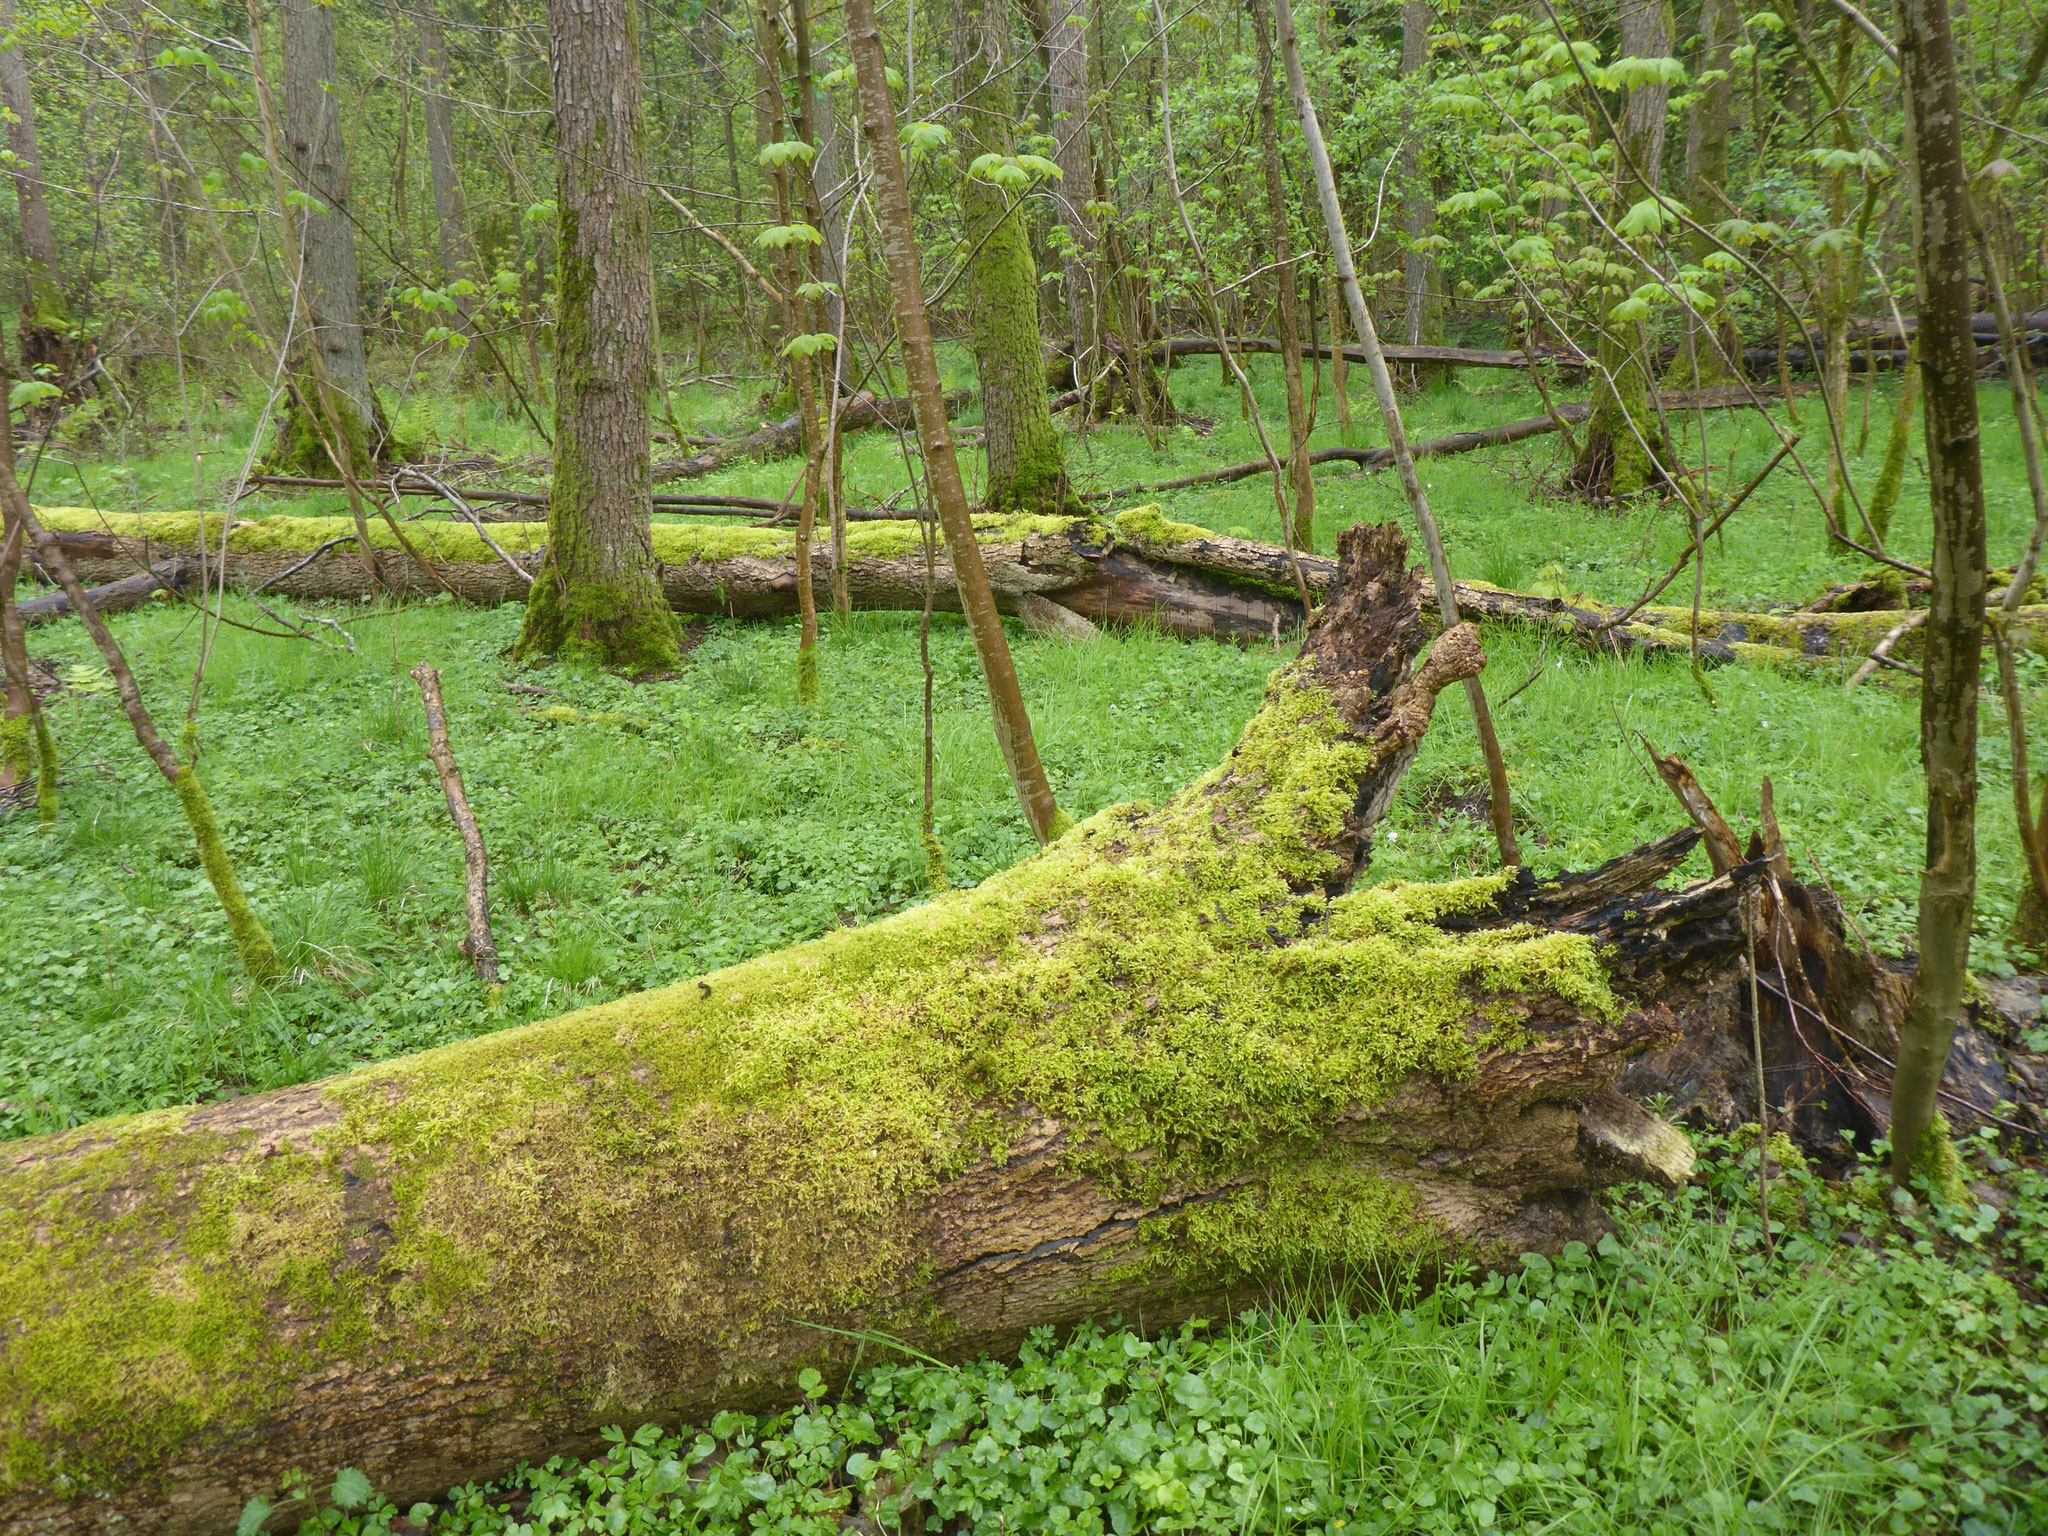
(1010,1108)
(175,575)
(481,945)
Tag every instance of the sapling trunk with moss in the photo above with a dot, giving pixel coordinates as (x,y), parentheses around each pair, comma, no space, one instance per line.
(26,745)
(597,598)
(1891,476)
(252,939)
(47,333)
(1027,467)
(942,464)
(1955,626)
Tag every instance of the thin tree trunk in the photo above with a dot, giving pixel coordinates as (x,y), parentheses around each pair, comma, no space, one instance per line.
(1390,413)
(1027,468)
(317,152)
(46,320)
(1713,351)
(1955,627)
(453,236)
(597,597)
(1422,310)
(942,464)
(1623,448)
(1066,49)
(1281,251)
(481,946)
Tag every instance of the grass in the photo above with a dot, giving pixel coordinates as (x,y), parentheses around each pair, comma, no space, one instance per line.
(1858,1372)
(721,819)
(1872,1371)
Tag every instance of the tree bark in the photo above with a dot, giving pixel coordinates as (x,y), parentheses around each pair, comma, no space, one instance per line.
(1955,627)
(1066,49)
(1281,241)
(941,463)
(1713,349)
(1623,449)
(597,597)
(316,150)
(449,226)
(46,339)
(1154,1069)
(1027,468)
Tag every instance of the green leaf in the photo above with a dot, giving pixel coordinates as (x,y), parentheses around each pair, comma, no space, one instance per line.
(809,345)
(926,138)
(786,152)
(1485,200)
(351,1489)
(252,165)
(760,1487)
(1646,218)
(816,291)
(1628,311)
(1633,74)
(257,1510)
(180,58)
(31,392)
(780,237)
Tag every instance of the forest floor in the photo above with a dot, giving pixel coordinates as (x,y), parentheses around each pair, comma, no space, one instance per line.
(642,833)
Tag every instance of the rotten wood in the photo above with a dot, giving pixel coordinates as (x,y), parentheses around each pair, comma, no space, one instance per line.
(174,575)
(480,946)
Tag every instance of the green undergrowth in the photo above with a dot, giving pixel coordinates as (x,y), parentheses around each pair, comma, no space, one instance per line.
(1869,1366)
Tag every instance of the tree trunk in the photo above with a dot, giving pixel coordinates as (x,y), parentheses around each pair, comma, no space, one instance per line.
(1281,239)
(449,228)
(1066,49)
(941,462)
(1713,349)
(1152,1070)
(1422,313)
(316,150)
(1955,625)
(47,336)
(1623,448)
(597,597)
(1027,467)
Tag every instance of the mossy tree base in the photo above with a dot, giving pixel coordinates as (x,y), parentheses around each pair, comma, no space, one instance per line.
(1180,1051)
(627,626)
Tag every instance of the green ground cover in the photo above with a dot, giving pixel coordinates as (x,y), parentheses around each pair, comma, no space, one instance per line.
(1868,1371)
(1859,1372)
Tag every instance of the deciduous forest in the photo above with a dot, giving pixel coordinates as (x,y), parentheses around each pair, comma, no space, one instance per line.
(814,766)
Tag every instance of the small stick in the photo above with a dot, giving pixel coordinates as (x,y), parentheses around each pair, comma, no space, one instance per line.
(1881,653)
(1751,913)
(479,946)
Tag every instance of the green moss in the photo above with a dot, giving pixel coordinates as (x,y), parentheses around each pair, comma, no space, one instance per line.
(46,770)
(807,672)
(1169,988)
(1937,1170)
(1318,1214)
(15,757)
(252,939)
(1150,525)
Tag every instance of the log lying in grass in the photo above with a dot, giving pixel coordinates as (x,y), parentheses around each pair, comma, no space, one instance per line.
(1056,573)
(1170,1058)
(118,596)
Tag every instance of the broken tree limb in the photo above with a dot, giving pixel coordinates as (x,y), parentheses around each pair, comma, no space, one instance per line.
(481,946)
(119,596)
(1177,1055)
(1136,568)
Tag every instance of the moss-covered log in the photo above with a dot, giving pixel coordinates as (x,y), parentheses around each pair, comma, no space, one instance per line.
(1178,1053)
(1058,573)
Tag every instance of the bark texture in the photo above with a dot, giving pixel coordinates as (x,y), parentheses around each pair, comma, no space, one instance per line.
(1422,308)
(1954,632)
(1623,447)
(1066,54)
(316,150)
(1281,235)
(1027,467)
(46,338)
(1180,1052)
(450,228)
(597,597)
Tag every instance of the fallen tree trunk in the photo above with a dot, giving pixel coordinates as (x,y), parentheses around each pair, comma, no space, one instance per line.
(1170,1058)
(118,596)
(784,439)
(1058,574)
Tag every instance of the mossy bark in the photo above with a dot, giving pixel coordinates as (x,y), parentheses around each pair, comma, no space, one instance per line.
(598,598)
(48,332)
(1179,1051)
(1712,352)
(252,939)
(1027,467)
